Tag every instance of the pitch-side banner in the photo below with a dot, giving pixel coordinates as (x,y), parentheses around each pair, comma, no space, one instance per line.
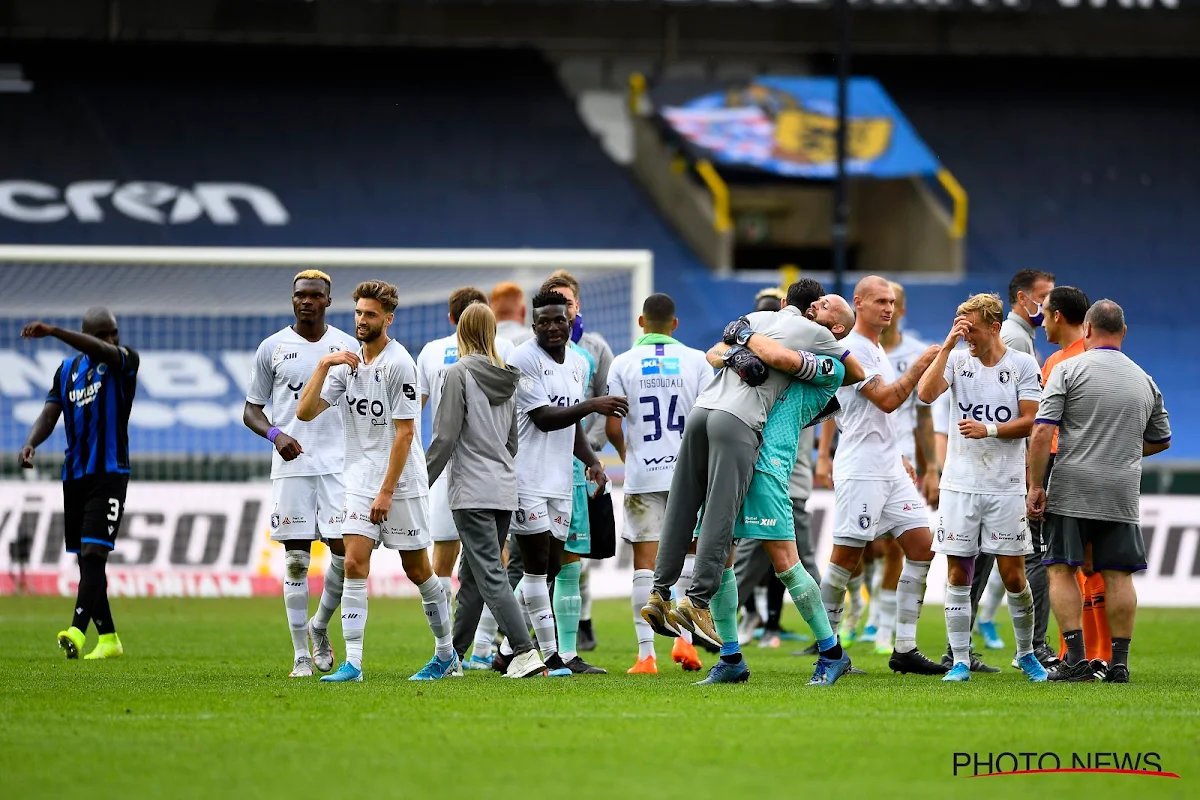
(212,540)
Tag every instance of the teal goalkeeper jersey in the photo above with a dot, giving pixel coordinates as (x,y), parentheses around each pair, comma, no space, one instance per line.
(798,405)
(580,473)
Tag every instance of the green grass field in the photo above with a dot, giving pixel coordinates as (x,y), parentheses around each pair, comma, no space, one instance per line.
(201,707)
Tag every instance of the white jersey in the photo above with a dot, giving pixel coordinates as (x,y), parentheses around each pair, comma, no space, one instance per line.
(375,394)
(662,382)
(904,418)
(438,356)
(545,459)
(990,395)
(283,364)
(868,447)
(941,414)
(516,332)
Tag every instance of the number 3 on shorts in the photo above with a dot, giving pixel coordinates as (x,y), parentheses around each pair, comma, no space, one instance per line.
(114,509)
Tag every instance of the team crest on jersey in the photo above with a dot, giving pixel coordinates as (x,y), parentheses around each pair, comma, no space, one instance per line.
(864,521)
(577,373)
(274,521)
(941,534)
(333,348)
(101,369)
(1006,376)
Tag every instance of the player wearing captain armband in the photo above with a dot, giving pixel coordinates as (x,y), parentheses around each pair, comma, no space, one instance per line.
(306,467)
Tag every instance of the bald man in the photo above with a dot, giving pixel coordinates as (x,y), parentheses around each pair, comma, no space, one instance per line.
(95,389)
(717,456)
(874,485)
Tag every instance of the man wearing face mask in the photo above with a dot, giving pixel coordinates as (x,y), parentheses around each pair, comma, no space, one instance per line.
(1026,293)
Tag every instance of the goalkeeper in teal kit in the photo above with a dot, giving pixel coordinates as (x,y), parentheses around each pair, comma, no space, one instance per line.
(766,516)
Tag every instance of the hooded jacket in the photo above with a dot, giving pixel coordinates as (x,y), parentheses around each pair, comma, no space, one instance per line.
(476,423)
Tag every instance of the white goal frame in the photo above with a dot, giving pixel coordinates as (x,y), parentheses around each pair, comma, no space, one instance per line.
(530,265)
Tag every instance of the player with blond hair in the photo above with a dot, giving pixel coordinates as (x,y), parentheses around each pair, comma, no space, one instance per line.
(306,467)
(995,391)
(386,482)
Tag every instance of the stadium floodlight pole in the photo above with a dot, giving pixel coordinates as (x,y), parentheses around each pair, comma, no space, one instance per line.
(841,196)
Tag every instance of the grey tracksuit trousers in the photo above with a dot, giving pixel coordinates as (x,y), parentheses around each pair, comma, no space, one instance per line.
(751,563)
(482,579)
(714,469)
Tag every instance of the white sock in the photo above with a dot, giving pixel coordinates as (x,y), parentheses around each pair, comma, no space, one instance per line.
(585,591)
(437,611)
(295,598)
(331,595)
(886,627)
(993,593)
(535,596)
(833,593)
(682,585)
(876,585)
(854,587)
(760,602)
(643,580)
(910,596)
(1020,607)
(447,587)
(485,634)
(958,622)
(354,618)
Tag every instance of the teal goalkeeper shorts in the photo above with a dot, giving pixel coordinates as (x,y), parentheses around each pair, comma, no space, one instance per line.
(766,512)
(579,540)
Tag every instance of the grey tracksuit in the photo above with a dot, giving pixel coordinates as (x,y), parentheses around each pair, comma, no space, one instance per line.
(476,423)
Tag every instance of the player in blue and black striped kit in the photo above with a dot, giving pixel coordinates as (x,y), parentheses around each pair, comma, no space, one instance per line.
(93,391)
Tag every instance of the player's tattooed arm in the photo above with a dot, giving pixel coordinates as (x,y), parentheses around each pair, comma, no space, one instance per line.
(933,382)
(716,355)
(93,348)
(889,397)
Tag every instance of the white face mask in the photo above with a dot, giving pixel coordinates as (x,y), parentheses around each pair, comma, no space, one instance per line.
(1036,318)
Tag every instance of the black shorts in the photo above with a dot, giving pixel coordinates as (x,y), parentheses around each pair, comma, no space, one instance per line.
(92,510)
(1115,545)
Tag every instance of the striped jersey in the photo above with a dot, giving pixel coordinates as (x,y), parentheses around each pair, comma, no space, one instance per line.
(1105,407)
(96,398)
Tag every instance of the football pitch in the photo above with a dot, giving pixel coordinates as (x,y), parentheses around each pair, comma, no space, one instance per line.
(201,706)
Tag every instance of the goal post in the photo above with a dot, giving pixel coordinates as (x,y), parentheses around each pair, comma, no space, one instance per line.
(197,314)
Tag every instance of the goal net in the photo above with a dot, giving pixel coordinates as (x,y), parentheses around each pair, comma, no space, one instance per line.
(196,316)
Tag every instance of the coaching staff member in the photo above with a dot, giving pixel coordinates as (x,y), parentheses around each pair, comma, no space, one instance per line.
(1109,415)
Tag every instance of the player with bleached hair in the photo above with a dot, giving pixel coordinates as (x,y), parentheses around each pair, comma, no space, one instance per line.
(306,467)
(386,482)
(995,393)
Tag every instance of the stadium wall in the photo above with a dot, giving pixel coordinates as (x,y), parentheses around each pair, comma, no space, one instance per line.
(212,540)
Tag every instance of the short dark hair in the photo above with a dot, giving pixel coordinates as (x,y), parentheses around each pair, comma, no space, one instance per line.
(804,292)
(461,298)
(1069,301)
(659,308)
(1024,280)
(1106,316)
(548,298)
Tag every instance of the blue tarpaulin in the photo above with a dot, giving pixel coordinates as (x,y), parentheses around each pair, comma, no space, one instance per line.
(788,126)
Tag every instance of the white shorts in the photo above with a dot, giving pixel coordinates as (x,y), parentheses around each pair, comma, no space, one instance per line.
(440,520)
(865,510)
(307,507)
(969,524)
(644,514)
(540,514)
(406,528)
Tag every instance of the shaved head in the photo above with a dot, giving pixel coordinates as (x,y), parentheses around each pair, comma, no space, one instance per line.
(834,313)
(874,304)
(870,285)
(101,323)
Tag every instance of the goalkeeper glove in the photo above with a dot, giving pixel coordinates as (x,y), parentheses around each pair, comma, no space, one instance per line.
(737,332)
(749,367)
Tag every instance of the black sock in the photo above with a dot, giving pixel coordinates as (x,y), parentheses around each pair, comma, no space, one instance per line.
(1120,648)
(93,588)
(834,652)
(1075,648)
(733,658)
(775,590)
(101,613)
